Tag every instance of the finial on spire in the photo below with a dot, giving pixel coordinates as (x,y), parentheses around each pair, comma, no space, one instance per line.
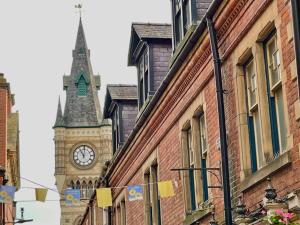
(79,7)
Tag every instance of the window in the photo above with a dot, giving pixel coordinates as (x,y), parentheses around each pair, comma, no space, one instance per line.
(275,95)
(182,18)
(90,189)
(253,118)
(143,75)
(261,110)
(195,158)
(192,183)
(203,155)
(81,86)
(105,216)
(118,215)
(116,138)
(151,197)
(84,190)
(123,212)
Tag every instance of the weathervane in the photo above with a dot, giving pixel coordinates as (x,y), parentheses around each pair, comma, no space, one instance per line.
(79,7)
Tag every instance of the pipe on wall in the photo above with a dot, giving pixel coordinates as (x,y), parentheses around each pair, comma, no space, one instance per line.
(222,121)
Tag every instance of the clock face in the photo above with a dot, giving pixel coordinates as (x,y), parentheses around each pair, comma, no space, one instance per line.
(84,155)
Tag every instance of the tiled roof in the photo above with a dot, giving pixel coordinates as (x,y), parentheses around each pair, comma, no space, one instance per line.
(122,91)
(153,30)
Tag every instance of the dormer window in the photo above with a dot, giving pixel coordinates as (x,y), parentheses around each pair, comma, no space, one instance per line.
(182,19)
(81,86)
(121,106)
(185,14)
(150,50)
(143,75)
(81,51)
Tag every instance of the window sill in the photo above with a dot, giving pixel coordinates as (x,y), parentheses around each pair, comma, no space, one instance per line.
(196,216)
(277,164)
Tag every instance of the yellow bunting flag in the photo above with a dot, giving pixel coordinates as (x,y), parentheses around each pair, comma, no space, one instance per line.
(165,189)
(104,198)
(41,194)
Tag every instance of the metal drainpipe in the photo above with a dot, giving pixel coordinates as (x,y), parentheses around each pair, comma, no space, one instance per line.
(296,23)
(222,124)
(109,215)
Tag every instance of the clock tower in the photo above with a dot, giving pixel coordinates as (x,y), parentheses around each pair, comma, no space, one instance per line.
(82,138)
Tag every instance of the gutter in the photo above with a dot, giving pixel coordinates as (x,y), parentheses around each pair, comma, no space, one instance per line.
(176,65)
(296,24)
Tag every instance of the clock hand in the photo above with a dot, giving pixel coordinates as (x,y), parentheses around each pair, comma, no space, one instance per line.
(82,153)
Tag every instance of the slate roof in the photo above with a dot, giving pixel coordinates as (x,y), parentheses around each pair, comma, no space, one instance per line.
(80,111)
(122,91)
(118,92)
(152,30)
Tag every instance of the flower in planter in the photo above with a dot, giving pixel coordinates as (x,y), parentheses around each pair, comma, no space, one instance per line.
(278,217)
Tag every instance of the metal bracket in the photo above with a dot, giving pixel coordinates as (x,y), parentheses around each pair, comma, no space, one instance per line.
(209,170)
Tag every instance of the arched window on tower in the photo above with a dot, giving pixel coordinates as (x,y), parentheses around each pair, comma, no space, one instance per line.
(83,190)
(90,189)
(77,184)
(72,185)
(81,86)
(96,184)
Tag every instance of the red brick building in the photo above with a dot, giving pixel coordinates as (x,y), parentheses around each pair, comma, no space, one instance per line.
(178,125)
(9,147)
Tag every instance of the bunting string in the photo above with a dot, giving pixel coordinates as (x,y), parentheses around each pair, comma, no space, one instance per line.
(104,195)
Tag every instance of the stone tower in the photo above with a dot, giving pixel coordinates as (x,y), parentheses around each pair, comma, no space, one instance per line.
(82,138)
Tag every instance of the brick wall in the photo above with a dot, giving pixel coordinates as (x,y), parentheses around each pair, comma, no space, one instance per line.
(5,109)
(3,125)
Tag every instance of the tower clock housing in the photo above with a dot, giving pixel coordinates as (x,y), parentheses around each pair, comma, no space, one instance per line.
(82,138)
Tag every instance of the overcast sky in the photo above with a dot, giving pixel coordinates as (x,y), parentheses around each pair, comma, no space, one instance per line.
(36,42)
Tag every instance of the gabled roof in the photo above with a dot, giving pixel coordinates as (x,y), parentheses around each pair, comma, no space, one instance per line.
(145,32)
(119,92)
(152,30)
(122,91)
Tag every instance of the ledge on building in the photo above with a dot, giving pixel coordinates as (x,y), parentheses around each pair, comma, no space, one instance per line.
(260,175)
(196,215)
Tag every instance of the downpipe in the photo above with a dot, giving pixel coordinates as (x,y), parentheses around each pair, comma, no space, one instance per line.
(222,123)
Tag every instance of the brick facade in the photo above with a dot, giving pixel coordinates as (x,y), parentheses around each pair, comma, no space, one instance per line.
(9,145)
(192,86)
